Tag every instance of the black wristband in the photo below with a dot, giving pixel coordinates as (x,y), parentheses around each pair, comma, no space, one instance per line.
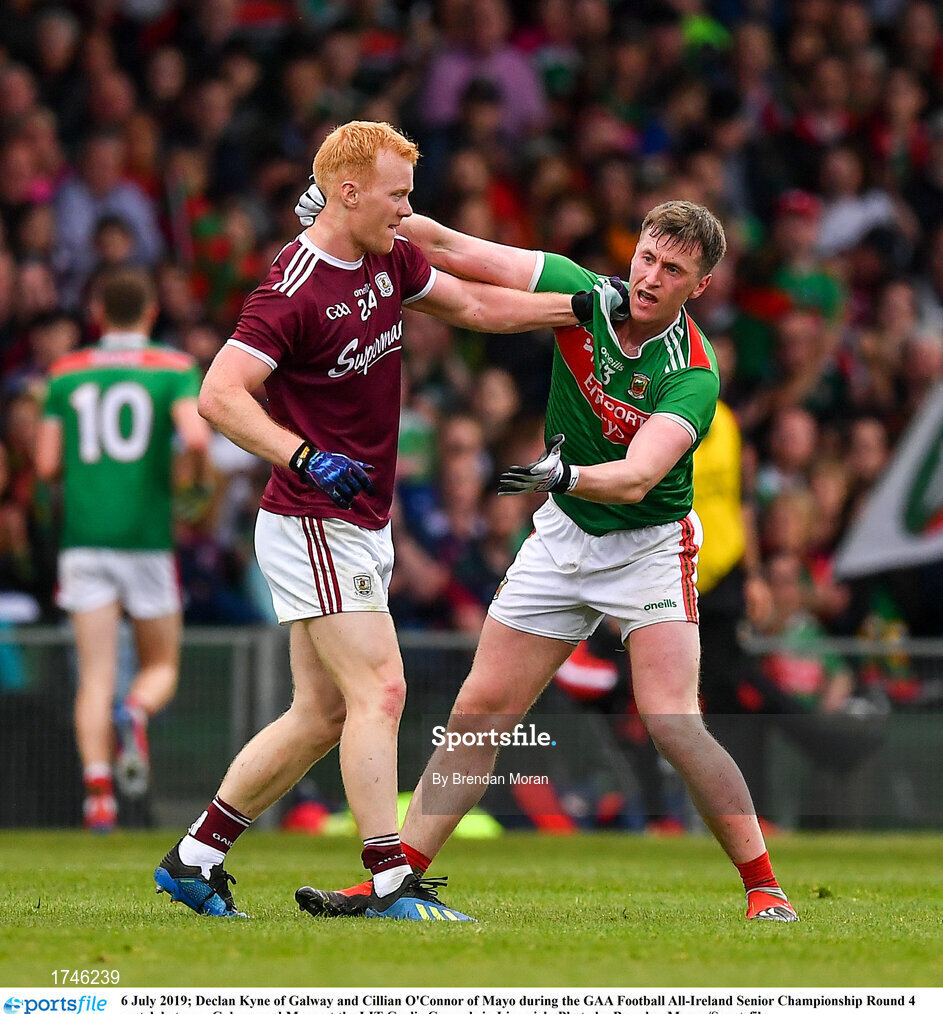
(562,485)
(299,460)
(582,305)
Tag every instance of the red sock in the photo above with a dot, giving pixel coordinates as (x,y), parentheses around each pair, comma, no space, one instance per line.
(220,825)
(757,873)
(97,780)
(417,860)
(99,787)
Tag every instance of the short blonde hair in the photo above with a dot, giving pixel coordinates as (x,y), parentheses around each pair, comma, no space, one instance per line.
(690,225)
(353,148)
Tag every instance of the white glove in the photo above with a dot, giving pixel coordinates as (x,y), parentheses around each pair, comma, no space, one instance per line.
(548,474)
(615,297)
(613,294)
(310,204)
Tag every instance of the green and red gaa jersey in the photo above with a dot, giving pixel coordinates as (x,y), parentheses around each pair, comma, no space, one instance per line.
(599,397)
(114,405)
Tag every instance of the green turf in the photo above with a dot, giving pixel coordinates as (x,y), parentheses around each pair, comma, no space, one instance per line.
(591,910)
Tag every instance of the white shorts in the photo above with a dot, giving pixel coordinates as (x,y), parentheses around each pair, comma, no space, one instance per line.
(321,566)
(564,581)
(145,583)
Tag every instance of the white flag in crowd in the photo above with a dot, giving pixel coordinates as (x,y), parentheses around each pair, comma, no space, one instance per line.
(902,524)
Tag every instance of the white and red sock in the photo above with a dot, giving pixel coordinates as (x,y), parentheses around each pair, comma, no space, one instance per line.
(97,779)
(100,809)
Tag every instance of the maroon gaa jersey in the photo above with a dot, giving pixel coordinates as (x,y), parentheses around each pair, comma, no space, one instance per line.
(332,331)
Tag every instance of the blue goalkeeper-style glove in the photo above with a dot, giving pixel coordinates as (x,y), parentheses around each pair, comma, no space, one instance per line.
(614,295)
(342,478)
(310,204)
(548,474)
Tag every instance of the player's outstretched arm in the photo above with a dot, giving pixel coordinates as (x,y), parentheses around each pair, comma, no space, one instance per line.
(465,256)
(654,451)
(482,307)
(456,252)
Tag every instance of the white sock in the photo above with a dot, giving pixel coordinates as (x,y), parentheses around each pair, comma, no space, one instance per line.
(387,881)
(195,853)
(96,770)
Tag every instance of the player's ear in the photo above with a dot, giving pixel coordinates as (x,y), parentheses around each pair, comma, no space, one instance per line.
(96,312)
(701,286)
(349,193)
(151,313)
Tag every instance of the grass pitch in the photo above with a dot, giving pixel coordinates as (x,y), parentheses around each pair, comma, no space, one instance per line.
(590,910)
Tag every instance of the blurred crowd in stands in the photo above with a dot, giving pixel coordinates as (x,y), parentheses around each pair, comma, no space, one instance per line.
(176,134)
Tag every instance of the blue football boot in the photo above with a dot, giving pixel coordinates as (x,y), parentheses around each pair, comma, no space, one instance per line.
(415,899)
(187,884)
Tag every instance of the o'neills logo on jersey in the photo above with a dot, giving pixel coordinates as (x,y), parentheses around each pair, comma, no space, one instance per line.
(360,361)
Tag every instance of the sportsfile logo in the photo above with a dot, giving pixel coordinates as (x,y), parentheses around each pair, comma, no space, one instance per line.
(518,736)
(71,1004)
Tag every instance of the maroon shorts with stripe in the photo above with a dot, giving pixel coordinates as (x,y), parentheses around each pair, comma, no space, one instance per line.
(322,566)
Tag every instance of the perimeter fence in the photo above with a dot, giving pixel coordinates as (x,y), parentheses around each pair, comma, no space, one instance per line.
(873,766)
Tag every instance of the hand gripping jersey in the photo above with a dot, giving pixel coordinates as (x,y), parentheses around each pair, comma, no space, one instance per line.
(600,397)
(331,331)
(113,404)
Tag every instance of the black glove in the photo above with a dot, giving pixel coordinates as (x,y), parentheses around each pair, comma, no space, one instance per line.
(342,478)
(615,294)
(548,474)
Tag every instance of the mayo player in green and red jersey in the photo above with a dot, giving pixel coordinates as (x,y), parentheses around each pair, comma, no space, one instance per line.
(630,400)
(112,415)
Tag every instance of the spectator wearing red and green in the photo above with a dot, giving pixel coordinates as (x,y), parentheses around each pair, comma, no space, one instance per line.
(789,275)
(816,681)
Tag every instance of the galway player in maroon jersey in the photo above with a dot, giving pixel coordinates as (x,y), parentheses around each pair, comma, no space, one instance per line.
(323,333)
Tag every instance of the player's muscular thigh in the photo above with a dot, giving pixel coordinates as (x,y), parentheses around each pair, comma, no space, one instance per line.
(510,670)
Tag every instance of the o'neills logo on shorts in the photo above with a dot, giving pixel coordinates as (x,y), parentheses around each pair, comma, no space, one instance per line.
(664,604)
(363,585)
